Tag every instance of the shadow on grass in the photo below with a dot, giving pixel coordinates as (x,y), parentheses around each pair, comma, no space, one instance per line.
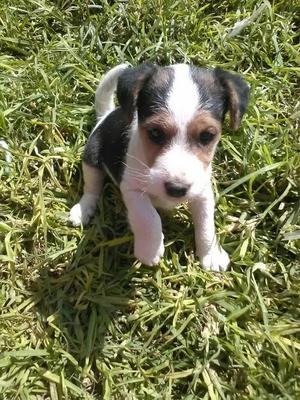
(87,293)
(80,294)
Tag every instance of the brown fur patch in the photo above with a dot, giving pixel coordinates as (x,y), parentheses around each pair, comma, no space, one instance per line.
(203,122)
(235,115)
(152,151)
(163,122)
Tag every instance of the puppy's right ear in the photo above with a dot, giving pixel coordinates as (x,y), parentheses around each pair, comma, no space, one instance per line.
(129,85)
(237,93)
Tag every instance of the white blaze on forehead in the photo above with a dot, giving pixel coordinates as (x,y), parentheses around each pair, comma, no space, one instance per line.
(183,100)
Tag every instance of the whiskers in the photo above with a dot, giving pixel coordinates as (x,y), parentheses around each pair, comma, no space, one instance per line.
(138,160)
(141,173)
(137,175)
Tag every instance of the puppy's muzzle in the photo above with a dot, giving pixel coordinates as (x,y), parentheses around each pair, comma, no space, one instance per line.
(176,189)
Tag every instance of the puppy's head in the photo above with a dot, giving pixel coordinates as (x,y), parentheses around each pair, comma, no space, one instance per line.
(180,110)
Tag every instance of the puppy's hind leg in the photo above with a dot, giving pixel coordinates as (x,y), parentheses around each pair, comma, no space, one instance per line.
(85,209)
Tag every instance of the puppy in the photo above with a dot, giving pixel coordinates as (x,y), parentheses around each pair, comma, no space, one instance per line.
(159,144)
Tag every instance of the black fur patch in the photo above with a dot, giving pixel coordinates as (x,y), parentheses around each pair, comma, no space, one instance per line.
(153,94)
(223,91)
(237,95)
(129,84)
(108,144)
(211,91)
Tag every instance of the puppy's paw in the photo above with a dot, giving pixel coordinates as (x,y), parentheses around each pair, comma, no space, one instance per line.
(84,210)
(75,216)
(147,251)
(216,259)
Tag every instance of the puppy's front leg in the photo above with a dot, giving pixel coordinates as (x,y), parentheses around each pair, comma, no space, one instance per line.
(212,255)
(146,226)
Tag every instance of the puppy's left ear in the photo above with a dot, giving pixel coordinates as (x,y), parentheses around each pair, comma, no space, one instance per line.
(237,92)
(129,85)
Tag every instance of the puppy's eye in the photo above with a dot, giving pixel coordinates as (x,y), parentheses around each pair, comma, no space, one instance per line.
(205,138)
(156,136)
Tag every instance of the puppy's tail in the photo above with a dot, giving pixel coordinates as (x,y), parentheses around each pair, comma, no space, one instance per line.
(104,98)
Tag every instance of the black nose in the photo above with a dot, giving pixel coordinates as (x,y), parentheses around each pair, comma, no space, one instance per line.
(175,189)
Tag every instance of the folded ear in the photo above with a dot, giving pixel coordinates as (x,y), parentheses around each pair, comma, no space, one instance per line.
(129,85)
(237,93)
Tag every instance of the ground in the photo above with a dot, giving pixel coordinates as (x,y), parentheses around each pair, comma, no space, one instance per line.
(80,317)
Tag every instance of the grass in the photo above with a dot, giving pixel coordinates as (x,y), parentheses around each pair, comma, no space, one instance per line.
(80,318)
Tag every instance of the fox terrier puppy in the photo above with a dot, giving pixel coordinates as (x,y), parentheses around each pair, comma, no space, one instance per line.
(159,144)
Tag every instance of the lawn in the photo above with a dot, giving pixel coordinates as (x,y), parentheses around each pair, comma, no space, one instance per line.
(80,317)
